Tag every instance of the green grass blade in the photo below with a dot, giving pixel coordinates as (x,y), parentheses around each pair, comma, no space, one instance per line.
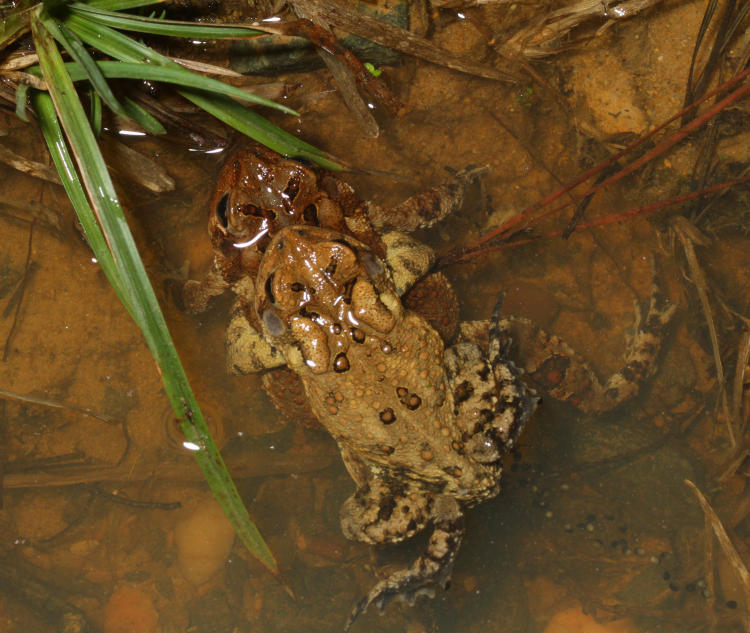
(158,26)
(126,49)
(53,135)
(95,112)
(15,24)
(120,5)
(255,126)
(75,48)
(137,289)
(147,121)
(113,43)
(169,74)
(21,93)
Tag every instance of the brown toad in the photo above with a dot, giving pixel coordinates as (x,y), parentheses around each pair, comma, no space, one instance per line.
(422,428)
(259,192)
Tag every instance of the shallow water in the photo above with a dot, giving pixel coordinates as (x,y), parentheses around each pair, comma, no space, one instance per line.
(595,528)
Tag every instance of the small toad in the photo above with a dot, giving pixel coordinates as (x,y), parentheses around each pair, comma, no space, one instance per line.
(422,427)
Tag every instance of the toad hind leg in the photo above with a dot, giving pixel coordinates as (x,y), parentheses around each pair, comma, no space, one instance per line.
(555,368)
(427,208)
(430,569)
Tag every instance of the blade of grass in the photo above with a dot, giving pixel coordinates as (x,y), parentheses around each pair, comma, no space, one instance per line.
(122,47)
(15,24)
(53,135)
(75,48)
(168,74)
(256,127)
(172,28)
(136,287)
(121,5)
(95,112)
(126,49)
(137,113)
(21,93)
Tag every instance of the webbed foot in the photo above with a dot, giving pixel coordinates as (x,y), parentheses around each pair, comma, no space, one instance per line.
(431,569)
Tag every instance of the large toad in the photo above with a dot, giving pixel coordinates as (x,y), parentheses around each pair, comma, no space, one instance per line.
(421,428)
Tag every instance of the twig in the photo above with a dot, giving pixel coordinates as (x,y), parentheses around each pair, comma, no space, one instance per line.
(57,405)
(17,295)
(116,497)
(38,170)
(725,542)
(543,39)
(708,562)
(328,42)
(341,73)
(242,464)
(22,285)
(454,258)
(743,356)
(688,234)
(47,217)
(524,218)
(342,16)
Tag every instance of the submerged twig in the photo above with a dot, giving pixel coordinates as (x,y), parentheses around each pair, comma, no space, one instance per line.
(725,542)
(242,464)
(527,217)
(22,290)
(17,295)
(738,390)
(341,73)
(324,39)
(542,39)
(30,167)
(346,18)
(136,166)
(56,405)
(20,580)
(51,218)
(117,497)
(689,235)
(454,258)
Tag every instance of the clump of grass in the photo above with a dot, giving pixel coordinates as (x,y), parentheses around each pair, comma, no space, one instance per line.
(86,31)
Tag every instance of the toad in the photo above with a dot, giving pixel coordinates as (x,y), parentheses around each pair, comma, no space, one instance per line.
(422,427)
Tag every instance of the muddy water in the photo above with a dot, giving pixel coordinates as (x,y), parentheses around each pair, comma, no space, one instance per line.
(595,529)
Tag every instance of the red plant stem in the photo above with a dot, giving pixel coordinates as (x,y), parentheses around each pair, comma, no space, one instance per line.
(610,219)
(661,147)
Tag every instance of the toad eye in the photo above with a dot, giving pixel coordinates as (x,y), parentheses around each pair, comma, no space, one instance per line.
(310,214)
(348,245)
(221,210)
(269,288)
(292,188)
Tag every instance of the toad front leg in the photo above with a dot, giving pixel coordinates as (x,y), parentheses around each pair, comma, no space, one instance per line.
(377,514)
